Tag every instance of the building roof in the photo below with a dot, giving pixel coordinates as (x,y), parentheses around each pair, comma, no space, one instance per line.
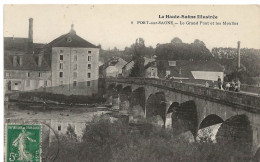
(29,63)
(20,45)
(118,62)
(150,64)
(70,39)
(15,43)
(184,68)
(146,61)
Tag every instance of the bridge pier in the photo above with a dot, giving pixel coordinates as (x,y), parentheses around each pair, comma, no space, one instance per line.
(168,116)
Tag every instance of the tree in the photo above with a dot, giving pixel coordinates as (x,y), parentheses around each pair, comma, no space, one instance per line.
(199,42)
(176,40)
(139,49)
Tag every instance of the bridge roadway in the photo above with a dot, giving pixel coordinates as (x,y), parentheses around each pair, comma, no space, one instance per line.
(194,107)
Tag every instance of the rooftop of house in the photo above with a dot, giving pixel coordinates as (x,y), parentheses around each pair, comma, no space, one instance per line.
(29,62)
(146,61)
(71,39)
(114,62)
(150,64)
(184,68)
(20,45)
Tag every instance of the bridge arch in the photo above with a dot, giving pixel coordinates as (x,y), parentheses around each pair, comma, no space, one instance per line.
(173,107)
(184,118)
(210,120)
(137,103)
(156,107)
(237,133)
(119,87)
(111,86)
(124,98)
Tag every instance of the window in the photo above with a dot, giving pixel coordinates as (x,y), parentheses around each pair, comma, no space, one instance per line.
(61,74)
(40,74)
(89,75)
(18,61)
(15,83)
(59,128)
(172,63)
(75,57)
(69,39)
(61,51)
(75,74)
(61,57)
(74,83)
(45,83)
(27,83)
(28,74)
(89,58)
(89,66)
(88,83)
(75,66)
(61,65)
(89,51)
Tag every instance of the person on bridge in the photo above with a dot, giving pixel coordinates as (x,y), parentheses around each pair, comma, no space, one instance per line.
(206,84)
(219,82)
(227,86)
(232,86)
(238,83)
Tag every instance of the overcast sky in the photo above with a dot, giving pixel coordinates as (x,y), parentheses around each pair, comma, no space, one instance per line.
(110,25)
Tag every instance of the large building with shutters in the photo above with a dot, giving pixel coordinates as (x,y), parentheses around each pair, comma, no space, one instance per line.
(67,65)
(74,64)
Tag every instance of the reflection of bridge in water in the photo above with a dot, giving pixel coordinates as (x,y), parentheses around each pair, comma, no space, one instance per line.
(187,107)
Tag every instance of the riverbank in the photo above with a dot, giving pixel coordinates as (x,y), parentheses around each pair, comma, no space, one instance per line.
(46,97)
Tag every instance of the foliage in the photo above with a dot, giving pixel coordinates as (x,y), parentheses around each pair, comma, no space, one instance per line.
(71,132)
(177,50)
(243,77)
(250,59)
(138,68)
(106,141)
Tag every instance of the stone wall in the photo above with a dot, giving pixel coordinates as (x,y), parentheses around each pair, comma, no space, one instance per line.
(75,67)
(240,100)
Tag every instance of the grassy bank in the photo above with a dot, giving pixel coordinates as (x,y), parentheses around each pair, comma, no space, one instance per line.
(105,141)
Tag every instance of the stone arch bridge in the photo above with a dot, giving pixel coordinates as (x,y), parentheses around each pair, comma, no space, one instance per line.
(191,107)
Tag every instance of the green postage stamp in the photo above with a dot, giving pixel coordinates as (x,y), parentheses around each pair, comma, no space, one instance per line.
(23,143)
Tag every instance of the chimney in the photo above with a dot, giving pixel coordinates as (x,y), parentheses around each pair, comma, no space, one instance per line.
(238,55)
(72,31)
(30,36)
(14,61)
(40,60)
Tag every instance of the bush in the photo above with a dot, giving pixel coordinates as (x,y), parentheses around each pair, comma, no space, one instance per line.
(106,141)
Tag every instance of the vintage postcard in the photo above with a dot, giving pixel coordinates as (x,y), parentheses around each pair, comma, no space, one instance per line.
(131,83)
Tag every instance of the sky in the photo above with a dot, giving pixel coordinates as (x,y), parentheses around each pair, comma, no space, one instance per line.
(110,25)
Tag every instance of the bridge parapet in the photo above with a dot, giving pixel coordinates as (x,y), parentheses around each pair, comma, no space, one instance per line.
(245,101)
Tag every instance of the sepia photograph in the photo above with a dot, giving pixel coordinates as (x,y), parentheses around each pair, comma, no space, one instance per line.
(130,83)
